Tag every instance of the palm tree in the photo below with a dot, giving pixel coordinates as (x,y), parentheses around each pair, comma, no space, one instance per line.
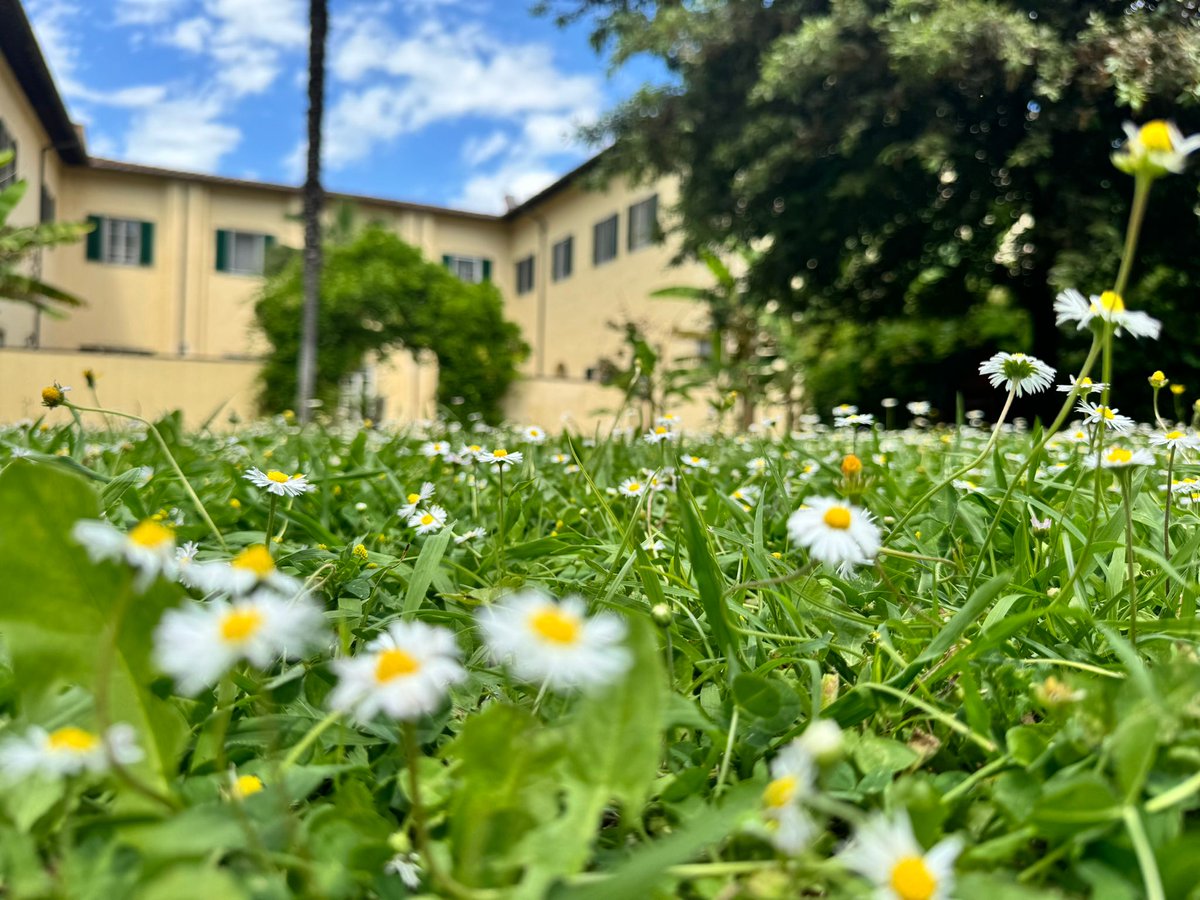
(19,242)
(313,200)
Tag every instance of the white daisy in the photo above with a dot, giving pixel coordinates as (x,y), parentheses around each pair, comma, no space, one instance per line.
(149,547)
(1086,386)
(1175,439)
(467,536)
(919,407)
(670,420)
(251,569)
(413,500)
(695,462)
(757,466)
(407,867)
(844,409)
(1040,526)
(1071,306)
(854,419)
(561,458)
(1094,413)
(434,449)
(469,453)
(405,673)
(67,751)
(533,434)
(747,496)
(658,434)
(428,520)
(501,458)
(835,533)
(1154,149)
(823,740)
(793,778)
(280,483)
(966,484)
(199,642)
(186,554)
(631,487)
(1118,458)
(651,545)
(1019,372)
(555,643)
(885,851)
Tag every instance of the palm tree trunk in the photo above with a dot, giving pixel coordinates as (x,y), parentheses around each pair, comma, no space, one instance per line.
(314,198)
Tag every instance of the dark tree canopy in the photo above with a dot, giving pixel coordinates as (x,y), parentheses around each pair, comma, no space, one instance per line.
(379,294)
(913,162)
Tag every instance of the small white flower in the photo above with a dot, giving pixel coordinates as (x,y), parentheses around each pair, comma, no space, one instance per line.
(199,642)
(1175,439)
(1086,386)
(631,487)
(251,569)
(658,434)
(885,852)
(561,458)
(844,409)
(280,483)
(533,434)
(757,466)
(434,449)
(650,545)
(501,458)
(1040,526)
(823,740)
(407,867)
(1094,413)
(965,484)
(1118,458)
(919,407)
(555,643)
(413,500)
(149,547)
(186,554)
(695,462)
(67,751)
(853,420)
(428,520)
(835,533)
(1156,148)
(405,673)
(793,778)
(1071,306)
(670,420)
(1017,371)
(473,535)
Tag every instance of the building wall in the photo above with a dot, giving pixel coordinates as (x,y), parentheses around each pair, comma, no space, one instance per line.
(35,164)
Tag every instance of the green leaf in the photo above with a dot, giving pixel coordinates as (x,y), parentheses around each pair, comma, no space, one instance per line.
(707,572)
(58,607)
(423,572)
(756,695)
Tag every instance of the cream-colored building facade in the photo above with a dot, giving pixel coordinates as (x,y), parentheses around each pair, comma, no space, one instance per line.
(171,271)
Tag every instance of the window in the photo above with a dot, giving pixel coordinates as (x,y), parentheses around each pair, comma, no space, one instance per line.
(49,209)
(471,269)
(604,240)
(525,275)
(121,242)
(643,223)
(242,252)
(563,252)
(8,171)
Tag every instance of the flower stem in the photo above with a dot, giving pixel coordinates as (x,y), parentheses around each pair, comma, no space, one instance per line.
(1137,214)
(1127,490)
(309,739)
(270,529)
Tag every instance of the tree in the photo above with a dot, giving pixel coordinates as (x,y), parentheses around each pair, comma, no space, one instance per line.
(908,161)
(313,201)
(19,242)
(378,295)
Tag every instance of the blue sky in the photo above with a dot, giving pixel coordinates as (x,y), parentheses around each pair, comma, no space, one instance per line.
(452,102)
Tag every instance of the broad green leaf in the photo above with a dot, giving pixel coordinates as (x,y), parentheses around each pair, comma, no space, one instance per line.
(427,563)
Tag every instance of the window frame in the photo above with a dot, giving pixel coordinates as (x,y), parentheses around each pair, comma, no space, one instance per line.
(643,230)
(481,266)
(615,222)
(130,241)
(231,240)
(562,257)
(8,173)
(526,274)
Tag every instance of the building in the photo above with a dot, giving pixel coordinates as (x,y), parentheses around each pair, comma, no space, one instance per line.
(174,263)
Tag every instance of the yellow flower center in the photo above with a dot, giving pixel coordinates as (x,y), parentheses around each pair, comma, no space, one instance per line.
(1110,301)
(1085,381)
(500,453)
(73,740)
(256,559)
(634,487)
(556,626)
(851,465)
(52,396)
(912,880)
(240,625)
(247,785)
(837,517)
(475,448)
(394,663)
(1119,455)
(1156,136)
(1107,413)
(150,534)
(413,498)
(661,429)
(427,519)
(1174,435)
(779,793)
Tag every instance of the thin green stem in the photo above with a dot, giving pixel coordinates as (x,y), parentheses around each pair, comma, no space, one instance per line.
(1137,214)
(309,739)
(1130,575)
(270,529)
(727,755)
(1145,854)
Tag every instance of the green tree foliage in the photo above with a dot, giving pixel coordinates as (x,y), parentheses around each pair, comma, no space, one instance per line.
(379,294)
(19,242)
(917,161)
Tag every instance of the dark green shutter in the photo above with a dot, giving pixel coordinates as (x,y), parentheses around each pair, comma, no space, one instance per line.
(222,250)
(147,244)
(93,238)
(487,270)
(446,260)
(629,228)
(270,242)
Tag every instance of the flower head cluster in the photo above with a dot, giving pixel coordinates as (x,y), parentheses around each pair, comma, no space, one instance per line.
(1154,149)
(885,852)
(67,751)
(1095,413)
(1119,458)
(1072,306)
(501,458)
(149,547)
(1018,372)
(413,500)
(280,483)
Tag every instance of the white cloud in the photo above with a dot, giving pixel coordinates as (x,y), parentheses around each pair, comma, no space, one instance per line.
(192,34)
(478,150)
(516,180)
(147,12)
(182,133)
(50,20)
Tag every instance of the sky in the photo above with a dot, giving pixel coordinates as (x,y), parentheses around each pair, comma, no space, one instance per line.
(448,102)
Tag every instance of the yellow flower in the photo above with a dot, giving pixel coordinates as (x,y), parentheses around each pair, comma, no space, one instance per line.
(1158,380)
(360,552)
(54,395)
(851,465)
(1177,389)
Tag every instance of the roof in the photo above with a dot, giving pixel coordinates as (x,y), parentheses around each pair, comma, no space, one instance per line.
(112,165)
(19,46)
(562,184)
